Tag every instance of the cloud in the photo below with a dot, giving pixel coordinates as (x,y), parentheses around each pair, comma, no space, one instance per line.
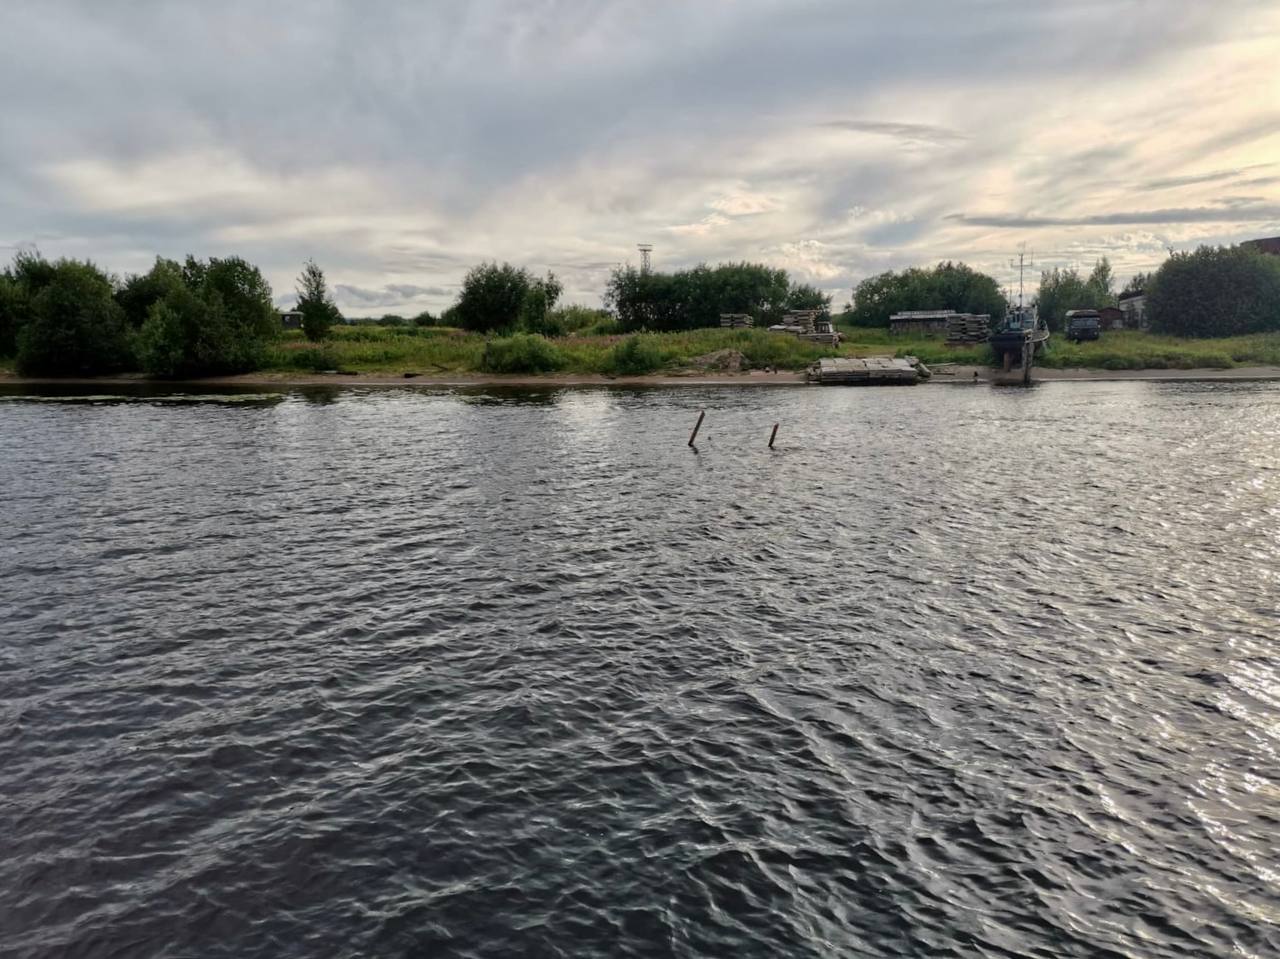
(1240,212)
(391,295)
(1215,176)
(913,133)
(835,138)
(744,204)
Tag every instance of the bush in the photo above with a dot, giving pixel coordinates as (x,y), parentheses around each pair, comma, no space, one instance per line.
(520,353)
(189,333)
(206,318)
(605,326)
(693,299)
(245,297)
(143,290)
(74,326)
(314,359)
(578,319)
(637,355)
(161,343)
(424,319)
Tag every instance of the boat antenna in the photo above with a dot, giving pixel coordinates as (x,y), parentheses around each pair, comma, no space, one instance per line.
(1023,262)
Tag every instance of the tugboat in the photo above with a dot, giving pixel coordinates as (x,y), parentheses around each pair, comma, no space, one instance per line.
(1015,343)
(1019,337)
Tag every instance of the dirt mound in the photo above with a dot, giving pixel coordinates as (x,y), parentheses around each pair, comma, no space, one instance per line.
(721,361)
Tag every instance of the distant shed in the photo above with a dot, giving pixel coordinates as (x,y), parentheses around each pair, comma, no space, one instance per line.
(291,319)
(1269,244)
(920,322)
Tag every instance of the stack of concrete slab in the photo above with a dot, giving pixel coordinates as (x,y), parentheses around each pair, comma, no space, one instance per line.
(968,327)
(863,371)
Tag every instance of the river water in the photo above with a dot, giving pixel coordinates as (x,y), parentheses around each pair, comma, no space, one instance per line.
(951,671)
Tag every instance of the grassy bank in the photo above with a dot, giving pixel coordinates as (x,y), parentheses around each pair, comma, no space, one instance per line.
(446,350)
(1115,350)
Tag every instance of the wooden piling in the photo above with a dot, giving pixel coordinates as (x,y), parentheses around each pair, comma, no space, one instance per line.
(696,426)
(773,435)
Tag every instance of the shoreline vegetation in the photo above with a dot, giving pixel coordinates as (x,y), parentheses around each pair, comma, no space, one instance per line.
(433,353)
(206,319)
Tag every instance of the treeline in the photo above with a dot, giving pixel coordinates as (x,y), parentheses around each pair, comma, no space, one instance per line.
(1065,289)
(947,286)
(688,299)
(69,317)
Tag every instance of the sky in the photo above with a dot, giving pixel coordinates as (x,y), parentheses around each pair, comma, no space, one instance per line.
(400,143)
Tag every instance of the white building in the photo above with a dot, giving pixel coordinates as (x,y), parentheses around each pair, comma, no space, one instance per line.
(1134,306)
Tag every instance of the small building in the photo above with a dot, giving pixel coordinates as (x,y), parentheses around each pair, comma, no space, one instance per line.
(1134,306)
(1111,318)
(1270,244)
(920,322)
(291,319)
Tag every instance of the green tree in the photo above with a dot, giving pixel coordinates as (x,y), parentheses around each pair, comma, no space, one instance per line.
(1216,291)
(1100,283)
(1138,283)
(203,317)
(947,286)
(689,299)
(1061,290)
(802,296)
(74,325)
(161,343)
(424,319)
(537,305)
(141,291)
(190,333)
(14,308)
(491,298)
(319,312)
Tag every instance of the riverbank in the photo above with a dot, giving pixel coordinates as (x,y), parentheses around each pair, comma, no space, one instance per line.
(962,375)
(376,356)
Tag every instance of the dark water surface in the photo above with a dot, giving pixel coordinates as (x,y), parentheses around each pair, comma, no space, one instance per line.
(954,671)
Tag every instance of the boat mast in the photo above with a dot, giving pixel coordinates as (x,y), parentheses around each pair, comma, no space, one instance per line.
(1022,256)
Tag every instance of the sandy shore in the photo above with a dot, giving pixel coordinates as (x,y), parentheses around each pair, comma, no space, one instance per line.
(961,374)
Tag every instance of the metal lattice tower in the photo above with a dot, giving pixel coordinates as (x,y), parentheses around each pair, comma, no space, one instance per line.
(645,249)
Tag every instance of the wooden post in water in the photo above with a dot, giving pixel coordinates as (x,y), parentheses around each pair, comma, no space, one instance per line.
(773,435)
(696,426)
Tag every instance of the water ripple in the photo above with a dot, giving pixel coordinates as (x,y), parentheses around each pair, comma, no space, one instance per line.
(950,672)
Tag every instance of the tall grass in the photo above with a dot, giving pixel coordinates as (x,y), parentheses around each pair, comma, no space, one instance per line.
(374,349)
(1114,350)
(1131,350)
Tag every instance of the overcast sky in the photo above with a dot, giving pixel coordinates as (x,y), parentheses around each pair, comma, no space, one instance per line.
(398,143)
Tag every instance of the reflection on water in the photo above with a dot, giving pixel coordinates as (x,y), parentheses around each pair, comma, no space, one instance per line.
(952,671)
